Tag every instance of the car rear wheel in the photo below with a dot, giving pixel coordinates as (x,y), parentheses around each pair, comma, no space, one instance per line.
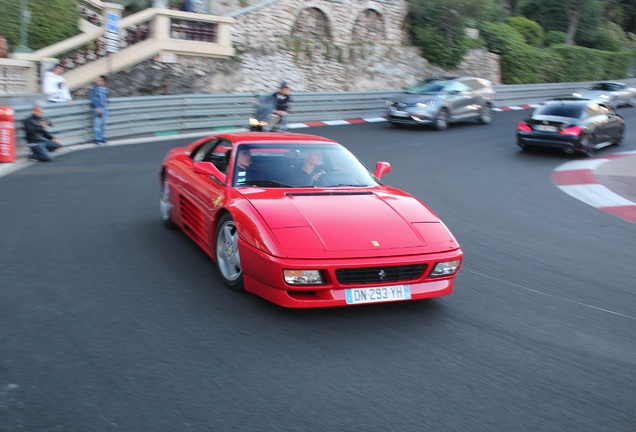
(228,260)
(441,121)
(485,114)
(165,206)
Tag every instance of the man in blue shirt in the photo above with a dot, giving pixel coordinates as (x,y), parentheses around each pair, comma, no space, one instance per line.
(99,102)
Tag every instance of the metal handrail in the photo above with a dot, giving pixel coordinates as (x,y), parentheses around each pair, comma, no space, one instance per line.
(149,116)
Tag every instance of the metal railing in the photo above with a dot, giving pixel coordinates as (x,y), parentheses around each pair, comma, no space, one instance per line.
(159,116)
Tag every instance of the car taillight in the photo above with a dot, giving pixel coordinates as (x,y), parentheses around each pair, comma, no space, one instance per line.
(523,127)
(574,131)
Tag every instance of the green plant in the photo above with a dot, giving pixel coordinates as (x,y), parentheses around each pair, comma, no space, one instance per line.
(501,38)
(530,30)
(51,21)
(554,37)
(434,47)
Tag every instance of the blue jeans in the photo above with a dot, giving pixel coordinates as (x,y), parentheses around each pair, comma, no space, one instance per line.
(99,121)
(42,150)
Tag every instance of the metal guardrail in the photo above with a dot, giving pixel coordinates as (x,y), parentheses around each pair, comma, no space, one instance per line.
(174,115)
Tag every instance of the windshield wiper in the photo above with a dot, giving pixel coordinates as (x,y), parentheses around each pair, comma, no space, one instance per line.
(271,183)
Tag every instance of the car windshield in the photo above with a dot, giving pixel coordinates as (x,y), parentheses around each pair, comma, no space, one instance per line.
(561,110)
(299,165)
(428,87)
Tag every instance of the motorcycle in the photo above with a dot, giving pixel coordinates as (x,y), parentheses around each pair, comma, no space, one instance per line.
(264,118)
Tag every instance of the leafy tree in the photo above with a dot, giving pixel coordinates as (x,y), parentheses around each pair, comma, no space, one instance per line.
(438,27)
(51,21)
(579,19)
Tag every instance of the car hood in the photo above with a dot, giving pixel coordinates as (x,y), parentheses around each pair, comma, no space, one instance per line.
(412,99)
(351,223)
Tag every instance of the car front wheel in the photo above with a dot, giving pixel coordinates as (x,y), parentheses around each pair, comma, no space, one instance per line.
(485,114)
(165,206)
(441,121)
(228,260)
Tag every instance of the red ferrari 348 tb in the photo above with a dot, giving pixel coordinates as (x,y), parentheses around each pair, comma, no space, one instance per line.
(299,221)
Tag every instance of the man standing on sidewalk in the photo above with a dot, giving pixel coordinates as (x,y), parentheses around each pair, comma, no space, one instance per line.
(99,102)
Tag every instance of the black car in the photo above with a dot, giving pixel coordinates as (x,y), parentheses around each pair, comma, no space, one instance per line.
(573,126)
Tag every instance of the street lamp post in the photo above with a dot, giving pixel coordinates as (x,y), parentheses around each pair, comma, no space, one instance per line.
(24,25)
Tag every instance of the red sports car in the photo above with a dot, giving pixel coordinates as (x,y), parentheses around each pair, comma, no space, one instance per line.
(299,221)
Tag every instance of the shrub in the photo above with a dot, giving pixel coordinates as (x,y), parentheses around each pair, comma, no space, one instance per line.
(434,48)
(586,64)
(501,38)
(554,37)
(530,30)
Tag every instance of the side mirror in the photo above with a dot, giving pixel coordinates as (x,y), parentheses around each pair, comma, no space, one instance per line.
(208,168)
(381,168)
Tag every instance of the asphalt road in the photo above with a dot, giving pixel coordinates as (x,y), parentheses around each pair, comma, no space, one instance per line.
(110,322)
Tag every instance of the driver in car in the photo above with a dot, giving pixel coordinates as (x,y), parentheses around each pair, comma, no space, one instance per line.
(310,170)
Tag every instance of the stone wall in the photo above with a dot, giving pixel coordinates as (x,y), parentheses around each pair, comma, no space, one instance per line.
(315,46)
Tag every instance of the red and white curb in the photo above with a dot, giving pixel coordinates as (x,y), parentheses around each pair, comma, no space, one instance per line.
(516,108)
(383,119)
(578,179)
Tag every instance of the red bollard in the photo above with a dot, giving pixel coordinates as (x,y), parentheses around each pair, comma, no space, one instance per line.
(7,134)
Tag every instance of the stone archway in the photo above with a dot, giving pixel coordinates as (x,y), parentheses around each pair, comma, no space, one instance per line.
(312,25)
(368,27)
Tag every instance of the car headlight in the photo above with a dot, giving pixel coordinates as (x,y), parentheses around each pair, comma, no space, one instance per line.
(577,94)
(605,97)
(390,103)
(303,277)
(447,268)
(425,104)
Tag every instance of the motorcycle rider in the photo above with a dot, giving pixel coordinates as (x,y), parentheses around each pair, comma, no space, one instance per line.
(281,107)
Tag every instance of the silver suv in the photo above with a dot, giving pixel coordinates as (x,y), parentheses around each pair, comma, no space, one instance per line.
(440,101)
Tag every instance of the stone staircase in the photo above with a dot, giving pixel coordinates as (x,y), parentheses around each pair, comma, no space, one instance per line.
(150,33)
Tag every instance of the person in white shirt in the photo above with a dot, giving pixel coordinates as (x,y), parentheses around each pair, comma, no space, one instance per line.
(54,86)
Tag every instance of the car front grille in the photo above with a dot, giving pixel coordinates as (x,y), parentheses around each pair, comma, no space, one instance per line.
(375,275)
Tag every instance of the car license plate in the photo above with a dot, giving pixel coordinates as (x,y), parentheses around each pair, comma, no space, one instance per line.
(545,128)
(378,294)
(400,113)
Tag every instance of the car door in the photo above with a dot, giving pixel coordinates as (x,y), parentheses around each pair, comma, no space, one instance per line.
(613,123)
(599,115)
(203,192)
(459,99)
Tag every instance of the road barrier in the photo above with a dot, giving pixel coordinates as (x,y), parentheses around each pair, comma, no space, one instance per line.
(162,116)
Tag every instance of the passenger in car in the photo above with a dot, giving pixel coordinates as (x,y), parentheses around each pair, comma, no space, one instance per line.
(244,170)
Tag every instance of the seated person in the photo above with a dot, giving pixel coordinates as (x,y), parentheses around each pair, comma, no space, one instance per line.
(41,143)
(244,170)
(310,170)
